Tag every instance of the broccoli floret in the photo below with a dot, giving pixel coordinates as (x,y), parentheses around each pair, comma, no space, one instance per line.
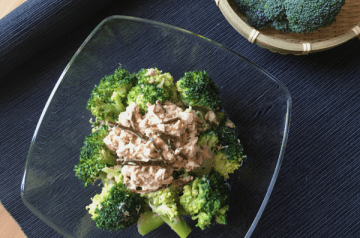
(245,5)
(221,116)
(229,156)
(108,98)
(205,198)
(113,175)
(164,202)
(307,16)
(155,77)
(223,165)
(220,217)
(142,94)
(230,144)
(116,207)
(208,139)
(94,156)
(224,147)
(257,19)
(301,16)
(198,89)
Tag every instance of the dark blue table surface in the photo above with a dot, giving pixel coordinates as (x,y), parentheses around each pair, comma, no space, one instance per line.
(317,191)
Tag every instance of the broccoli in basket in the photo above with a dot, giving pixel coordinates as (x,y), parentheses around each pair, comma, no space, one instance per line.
(301,16)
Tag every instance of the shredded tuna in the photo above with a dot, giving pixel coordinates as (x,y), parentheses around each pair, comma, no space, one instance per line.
(146,177)
(229,124)
(151,146)
(211,116)
(182,181)
(151,72)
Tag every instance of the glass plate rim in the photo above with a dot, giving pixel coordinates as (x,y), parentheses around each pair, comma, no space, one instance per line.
(282,86)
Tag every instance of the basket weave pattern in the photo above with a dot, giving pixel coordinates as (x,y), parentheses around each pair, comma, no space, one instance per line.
(346,27)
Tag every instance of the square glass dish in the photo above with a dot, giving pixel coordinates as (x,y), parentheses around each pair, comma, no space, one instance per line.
(257,103)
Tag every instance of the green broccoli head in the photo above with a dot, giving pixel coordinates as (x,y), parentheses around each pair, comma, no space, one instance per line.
(205,198)
(301,16)
(94,156)
(113,175)
(223,165)
(198,89)
(108,98)
(224,147)
(307,16)
(142,94)
(116,207)
(229,143)
(220,217)
(155,77)
(164,202)
(208,139)
(229,155)
(274,9)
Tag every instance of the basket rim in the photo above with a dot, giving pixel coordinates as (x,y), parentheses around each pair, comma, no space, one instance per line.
(279,45)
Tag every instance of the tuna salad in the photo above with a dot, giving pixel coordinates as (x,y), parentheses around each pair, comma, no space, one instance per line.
(150,147)
(161,150)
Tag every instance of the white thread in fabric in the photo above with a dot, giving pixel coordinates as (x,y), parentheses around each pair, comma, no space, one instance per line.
(307,48)
(253,35)
(356,29)
(217,2)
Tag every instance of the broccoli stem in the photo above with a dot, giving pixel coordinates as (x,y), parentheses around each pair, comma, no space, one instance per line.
(149,221)
(108,107)
(116,97)
(110,157)
(180,226)
(182,211)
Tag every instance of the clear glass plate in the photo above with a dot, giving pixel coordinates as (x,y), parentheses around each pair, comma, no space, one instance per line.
(258,104)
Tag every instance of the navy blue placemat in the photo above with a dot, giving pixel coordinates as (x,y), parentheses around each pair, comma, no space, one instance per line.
(317,192)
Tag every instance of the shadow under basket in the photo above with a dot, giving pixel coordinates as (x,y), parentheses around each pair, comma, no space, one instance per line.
(346,27)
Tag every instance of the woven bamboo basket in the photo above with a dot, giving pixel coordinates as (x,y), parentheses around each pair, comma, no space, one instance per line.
(346,27)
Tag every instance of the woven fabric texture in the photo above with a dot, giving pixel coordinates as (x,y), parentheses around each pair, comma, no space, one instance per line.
(317,191)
